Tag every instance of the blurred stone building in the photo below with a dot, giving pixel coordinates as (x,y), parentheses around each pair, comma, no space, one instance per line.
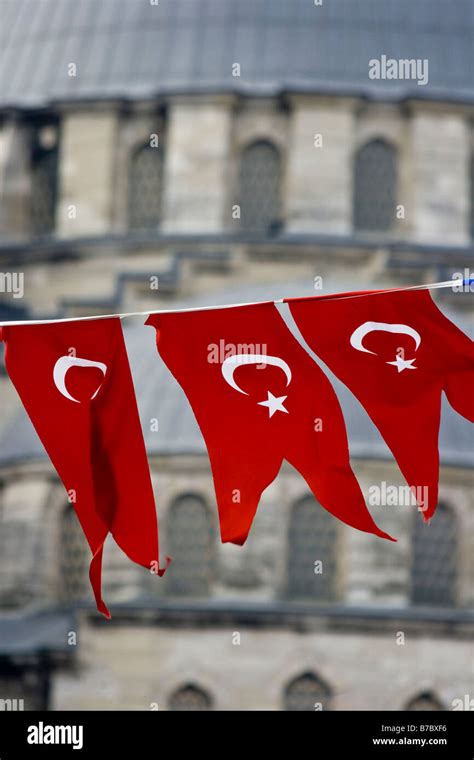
(187,152)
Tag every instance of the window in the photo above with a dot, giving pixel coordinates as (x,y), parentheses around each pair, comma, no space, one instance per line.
(145,188)
(44,178)
(20,582)
(190,697)
(434,563)
(191,542)
(424,701)
(312,548)
(305,693)
(375,187)
(260,187)
(74,558)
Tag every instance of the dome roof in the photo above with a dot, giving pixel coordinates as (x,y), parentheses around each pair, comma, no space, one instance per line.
(132,49)
(159,396)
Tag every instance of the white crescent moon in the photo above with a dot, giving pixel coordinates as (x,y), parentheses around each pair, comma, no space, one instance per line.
(237,360)
(63,364)
(359,334)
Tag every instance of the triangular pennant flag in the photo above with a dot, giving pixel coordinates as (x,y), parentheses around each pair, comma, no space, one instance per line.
(75,383)
(259,398)
(397,353)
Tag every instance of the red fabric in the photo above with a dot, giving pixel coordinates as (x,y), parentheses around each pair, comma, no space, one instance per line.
(246,446)
(405,405)
(95,443)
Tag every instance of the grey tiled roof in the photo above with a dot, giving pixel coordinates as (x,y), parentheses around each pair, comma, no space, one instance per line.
(159,396)
(132,49)
(38,631)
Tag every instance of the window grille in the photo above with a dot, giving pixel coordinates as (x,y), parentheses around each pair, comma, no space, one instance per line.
(74,558)
(190,697)
(312,539)
(44,179)
(145,188)
(424,701)
(306,693)
(191,542)
(260,187)
(375,187)
(434,559)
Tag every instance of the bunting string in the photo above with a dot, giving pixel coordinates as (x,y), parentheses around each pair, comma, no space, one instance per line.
(330,296)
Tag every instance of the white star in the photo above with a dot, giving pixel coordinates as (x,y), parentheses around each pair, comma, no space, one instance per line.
(402,364)
(274,404)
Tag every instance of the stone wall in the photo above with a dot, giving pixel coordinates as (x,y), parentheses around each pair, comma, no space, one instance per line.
(370,572)
(441,153)
(139,668)
(201,138)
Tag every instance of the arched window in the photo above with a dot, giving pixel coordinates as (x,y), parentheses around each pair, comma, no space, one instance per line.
(425,701)
(44,178)
(191,543)
(312,552)
(306,692)
(20,582)
(190,697)
(434,559)
(13,578)
(145,188)
(375,187)
(74,558)
(260,187)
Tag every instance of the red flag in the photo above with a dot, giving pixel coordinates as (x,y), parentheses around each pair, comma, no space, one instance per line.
(396,352)
(258,399)
(75,383)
